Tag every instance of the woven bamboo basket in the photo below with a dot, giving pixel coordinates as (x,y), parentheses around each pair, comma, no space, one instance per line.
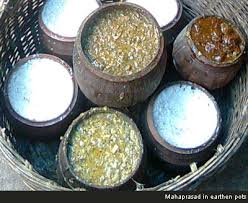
(19,37)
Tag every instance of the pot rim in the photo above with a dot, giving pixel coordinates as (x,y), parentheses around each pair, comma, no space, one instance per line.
(79,119)
(176,19)
(51,122)
(163,143)
(126,78)
(52,34)
(203,58)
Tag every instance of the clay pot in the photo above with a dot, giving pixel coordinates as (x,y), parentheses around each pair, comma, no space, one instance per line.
(58,44)
(55,44)
(116,91)
(174,155)
(65,170)
(45,129)
(195,67)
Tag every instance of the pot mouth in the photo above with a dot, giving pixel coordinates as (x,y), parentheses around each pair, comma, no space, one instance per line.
(53,35)
(176,19)
(204,58)
(61,20)
(124,78)
(71,130)
(162,142)
(50,122)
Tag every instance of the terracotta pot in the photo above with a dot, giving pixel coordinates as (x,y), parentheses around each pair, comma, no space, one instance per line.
(55,44)
(193,66)
(116,91)
(169,153)
(47,129)
(66,173)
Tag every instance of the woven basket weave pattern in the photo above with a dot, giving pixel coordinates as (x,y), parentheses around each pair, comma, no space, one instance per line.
(19,38)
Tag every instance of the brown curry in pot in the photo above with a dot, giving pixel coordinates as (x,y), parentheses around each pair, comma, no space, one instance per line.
(216,39)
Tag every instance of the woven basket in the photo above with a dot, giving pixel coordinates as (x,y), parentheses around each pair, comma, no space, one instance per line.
(19,37)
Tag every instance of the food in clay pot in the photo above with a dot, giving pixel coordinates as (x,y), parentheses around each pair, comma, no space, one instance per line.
(209,51)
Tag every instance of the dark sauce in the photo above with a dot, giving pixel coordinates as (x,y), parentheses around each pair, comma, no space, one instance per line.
(216,39)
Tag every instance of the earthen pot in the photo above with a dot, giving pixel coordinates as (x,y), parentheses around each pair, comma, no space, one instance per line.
(169,153)
(195,67)
(42,129)
(117,91)
(65,169)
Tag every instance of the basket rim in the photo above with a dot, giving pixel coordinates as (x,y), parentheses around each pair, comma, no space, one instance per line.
(30,176)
